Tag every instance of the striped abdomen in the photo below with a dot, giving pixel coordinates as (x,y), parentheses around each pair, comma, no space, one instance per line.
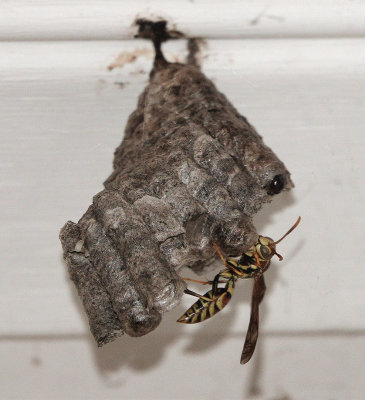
(204,309)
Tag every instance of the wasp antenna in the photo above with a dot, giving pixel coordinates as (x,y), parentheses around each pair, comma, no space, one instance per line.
(289,231)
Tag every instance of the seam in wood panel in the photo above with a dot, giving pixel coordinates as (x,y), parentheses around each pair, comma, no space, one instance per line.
(111,19)
(268,334)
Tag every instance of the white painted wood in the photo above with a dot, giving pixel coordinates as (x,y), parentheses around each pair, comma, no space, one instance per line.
(178,367)
(63,113)
(112,19)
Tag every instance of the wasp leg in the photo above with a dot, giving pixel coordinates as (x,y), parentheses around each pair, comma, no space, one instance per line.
(228,266)
(218,250)
(197,281)
(188,291)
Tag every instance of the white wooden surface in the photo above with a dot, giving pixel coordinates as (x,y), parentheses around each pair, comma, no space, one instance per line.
(184,367)
(63,113)
(113,19)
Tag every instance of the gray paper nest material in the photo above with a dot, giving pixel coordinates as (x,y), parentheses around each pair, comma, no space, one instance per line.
(189,170)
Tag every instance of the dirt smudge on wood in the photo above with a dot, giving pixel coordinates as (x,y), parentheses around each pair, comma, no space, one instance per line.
(127,57)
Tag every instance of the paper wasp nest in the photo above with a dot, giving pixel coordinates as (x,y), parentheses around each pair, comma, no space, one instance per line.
(189,170)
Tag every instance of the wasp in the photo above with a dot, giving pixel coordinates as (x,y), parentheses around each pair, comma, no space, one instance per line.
(251,264)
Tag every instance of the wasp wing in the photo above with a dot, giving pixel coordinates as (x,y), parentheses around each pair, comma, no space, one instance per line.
(258,293)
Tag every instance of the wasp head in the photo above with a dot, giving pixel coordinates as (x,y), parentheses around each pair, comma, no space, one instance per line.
(266,248)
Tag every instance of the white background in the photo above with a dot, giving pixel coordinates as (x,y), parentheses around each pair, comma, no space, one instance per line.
(298,74)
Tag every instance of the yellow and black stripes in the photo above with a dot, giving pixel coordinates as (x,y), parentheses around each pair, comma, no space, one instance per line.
(251,264)
(243,271)
(204,309)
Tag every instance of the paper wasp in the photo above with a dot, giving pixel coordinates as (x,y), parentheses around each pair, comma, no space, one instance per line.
(251,264)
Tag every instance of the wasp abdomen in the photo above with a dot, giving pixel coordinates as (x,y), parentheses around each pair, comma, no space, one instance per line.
(204,309)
